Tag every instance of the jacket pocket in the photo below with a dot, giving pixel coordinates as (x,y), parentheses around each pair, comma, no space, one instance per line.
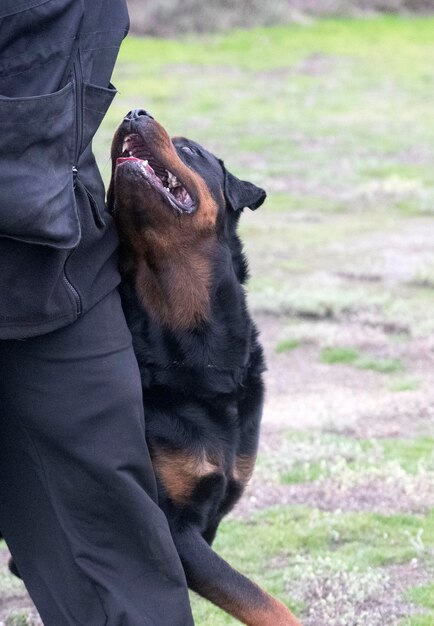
(37,203)
(97,101)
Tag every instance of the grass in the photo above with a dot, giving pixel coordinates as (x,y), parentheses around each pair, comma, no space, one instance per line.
(338,355)
(308,458)
(287,345)
(422,596)
(419,620)
(357,543)
(304,472)
(422,620)
(19,618)
(383,366)
(404,384)
(179,16)
(411,453)
(350,356)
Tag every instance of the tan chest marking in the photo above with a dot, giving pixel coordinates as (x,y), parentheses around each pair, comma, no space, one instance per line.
(180,472)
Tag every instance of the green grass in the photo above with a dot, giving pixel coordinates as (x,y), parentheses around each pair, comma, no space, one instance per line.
(410,453)
(304,457)
(419,620)
(18,618)
(287,345)
(304,472)
(384,366)
(338,355)
(350,356)
(356,542)
(404,384)
(343,37)
(422,596)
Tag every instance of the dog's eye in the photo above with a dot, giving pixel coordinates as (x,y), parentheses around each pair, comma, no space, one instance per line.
(189,150)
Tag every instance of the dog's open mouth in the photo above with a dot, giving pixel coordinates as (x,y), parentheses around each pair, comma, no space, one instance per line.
(135,150)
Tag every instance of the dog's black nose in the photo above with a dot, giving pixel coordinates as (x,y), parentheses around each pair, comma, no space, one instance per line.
(136,113)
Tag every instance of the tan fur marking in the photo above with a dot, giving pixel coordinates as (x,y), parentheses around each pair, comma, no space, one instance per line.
(275,613)
(176,293)
(243,467)
(180,472)
(258,610)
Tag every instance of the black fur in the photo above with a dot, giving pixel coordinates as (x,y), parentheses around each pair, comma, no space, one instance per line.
(203,391)
(203,388)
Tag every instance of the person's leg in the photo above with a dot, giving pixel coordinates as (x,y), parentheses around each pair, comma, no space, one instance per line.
(77,490)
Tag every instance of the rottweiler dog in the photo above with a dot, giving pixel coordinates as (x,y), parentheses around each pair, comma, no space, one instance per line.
(183,273)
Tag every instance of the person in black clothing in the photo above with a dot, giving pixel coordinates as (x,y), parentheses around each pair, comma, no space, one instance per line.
(77,491)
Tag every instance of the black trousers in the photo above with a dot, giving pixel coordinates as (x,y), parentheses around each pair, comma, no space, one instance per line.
(77,490)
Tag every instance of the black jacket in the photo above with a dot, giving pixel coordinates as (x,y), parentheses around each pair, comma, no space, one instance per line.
(57,242)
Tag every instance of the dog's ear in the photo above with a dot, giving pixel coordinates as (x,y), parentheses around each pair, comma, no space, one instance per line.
(240,193)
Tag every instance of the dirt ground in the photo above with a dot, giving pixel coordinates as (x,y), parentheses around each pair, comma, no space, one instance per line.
(304,394)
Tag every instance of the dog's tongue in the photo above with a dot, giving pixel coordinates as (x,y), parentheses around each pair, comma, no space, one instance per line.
(121,160)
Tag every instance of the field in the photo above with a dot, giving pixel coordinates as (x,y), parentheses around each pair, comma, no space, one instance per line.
(172,17)
(334,119)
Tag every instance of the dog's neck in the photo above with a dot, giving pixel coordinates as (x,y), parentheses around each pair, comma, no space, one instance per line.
(173,283)
(212,355)
(191,301)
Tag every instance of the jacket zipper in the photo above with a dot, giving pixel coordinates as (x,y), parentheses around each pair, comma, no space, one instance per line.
(78,80)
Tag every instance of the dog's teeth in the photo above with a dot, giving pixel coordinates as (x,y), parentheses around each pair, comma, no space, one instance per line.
(173,181)
(145,163)
(126,143)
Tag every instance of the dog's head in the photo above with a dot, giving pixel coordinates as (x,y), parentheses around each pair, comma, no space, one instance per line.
(172,201)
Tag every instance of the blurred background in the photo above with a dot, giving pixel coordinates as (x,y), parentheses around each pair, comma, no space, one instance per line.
(329,106)
(173,17)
